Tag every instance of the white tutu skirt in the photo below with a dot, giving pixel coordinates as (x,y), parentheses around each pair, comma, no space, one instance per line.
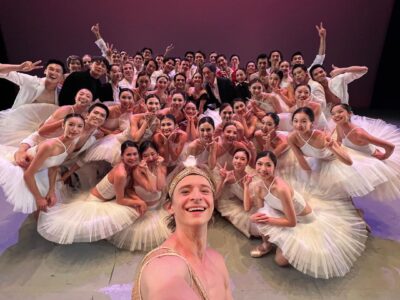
(85,219)
(17,124)
(16,191)
(147,232)
(332,179)
(107,148)
(232,209)
(289,169)
(324,243)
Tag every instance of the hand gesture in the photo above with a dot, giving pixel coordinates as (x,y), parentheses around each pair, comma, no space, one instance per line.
(321,30)
(41,204)
(160,160)
(51,199)
(260,218)
(247,180)
(222,170)
(141,207)
(28,66)
(329,142)
(110,49)
(379,155)
(335,71)
(267,142)
(169,48)
(96,29)
(99,134)
(230,177)
(22,159)
(174,135)
(143,165)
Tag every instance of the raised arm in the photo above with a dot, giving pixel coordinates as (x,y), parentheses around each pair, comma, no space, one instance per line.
(356,71)
(320,57)
(26,66)
(339,152)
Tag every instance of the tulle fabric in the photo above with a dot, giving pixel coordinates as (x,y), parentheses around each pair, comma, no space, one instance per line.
(230,205)
(85,219)
(16,191)
(17,124)
(324,243)
(147,232)
(107,149)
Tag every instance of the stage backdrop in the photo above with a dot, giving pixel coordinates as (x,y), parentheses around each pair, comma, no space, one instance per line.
(355,29)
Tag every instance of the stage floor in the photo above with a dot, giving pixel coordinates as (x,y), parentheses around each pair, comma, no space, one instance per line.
(37,269)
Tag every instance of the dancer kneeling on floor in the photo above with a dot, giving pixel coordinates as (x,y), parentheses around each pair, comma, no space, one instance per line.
(89,218)
(322,242)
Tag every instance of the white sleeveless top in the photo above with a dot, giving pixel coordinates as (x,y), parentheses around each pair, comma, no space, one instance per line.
(311,151)
(298,201)
(367,149)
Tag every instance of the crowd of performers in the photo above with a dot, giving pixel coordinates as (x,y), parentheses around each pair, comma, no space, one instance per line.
(93,160)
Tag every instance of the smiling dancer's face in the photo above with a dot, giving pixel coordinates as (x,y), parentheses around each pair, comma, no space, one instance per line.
(192,202)
(130,157)
(265,167)
(302,122)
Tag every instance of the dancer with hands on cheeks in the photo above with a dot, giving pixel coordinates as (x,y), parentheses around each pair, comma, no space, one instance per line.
(223,148)
(170,140)
(246,117)
(145,125)
(200,147)
(189,125)
(95,216)
(267,137)
(150,229)
(305,238)
(230,193)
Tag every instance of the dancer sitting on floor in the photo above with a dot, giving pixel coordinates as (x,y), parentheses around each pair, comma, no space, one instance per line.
(95,216)
(303,232)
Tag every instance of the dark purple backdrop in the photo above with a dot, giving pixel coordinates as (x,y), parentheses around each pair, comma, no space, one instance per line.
(356,29)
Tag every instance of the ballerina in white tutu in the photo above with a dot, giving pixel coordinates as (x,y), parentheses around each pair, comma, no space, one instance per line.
(143,126)
(303,97)
(200,147)
(262,102)
(226,114)
(118,120)
(323,241)
(150,229)
(35,187)
(268,138)
(50,128)
(230,194)
(95,216)
(245,117)
(332,175)
(170,140)
(370,152)
(224,146)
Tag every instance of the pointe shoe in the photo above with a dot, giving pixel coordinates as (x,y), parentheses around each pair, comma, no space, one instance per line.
(260,251)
